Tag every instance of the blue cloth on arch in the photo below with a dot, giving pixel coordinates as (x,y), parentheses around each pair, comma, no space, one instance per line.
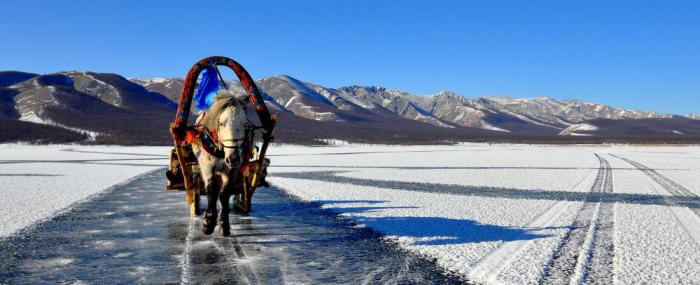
(208,87)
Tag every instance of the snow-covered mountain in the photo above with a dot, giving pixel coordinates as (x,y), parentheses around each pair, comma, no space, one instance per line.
(87,103)
(444,109)
(90,103)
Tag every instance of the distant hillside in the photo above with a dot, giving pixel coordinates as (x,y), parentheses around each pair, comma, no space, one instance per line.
(108,108)
(104,108)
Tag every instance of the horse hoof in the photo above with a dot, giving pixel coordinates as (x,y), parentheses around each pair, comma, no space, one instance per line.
(207,230)
(224,231)
(208,224)
(224,228)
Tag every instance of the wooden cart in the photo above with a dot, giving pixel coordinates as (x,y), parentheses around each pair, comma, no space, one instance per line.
(183,172)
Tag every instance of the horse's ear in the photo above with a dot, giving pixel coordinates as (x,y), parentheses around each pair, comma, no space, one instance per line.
(242,100)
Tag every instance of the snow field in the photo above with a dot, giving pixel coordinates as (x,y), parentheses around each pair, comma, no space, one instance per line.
(654,241)
(498,214)
(672,162)
(38,181)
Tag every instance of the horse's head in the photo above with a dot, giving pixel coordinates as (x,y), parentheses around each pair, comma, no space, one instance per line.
(231,127)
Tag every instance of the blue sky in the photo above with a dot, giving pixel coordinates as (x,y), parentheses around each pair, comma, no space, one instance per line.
(633,54)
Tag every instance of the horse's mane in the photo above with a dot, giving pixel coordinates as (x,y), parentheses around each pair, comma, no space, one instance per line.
(223,100)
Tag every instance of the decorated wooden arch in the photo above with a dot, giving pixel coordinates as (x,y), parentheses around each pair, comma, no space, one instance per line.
(185,101)
(188,170)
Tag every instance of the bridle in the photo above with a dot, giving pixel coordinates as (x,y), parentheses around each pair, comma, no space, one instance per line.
(237,143)
(208,138)
(211,144)
(234,146)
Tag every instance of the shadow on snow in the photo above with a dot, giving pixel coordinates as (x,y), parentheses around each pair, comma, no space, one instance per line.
(496,192)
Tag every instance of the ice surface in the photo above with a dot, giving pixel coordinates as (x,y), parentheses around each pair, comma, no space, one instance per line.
(493,213)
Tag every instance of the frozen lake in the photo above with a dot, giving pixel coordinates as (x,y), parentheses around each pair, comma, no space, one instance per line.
(490,213)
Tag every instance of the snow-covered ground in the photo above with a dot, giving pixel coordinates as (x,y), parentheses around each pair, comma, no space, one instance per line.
(505,213)
(512,214)
(38,181)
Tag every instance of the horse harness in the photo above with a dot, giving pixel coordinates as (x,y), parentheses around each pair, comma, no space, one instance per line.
(208,139)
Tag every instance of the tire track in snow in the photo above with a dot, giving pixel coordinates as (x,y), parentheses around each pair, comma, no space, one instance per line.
(489,267)
(587,249)
(684,216)
(668,184)
(601,264)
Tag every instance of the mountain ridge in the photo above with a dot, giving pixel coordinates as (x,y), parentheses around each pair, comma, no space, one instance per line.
(57,99)
(484,103)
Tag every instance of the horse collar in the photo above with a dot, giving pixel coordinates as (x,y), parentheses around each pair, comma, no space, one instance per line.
(209,140)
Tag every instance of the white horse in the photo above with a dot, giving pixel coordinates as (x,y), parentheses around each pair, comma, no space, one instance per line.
(226,120)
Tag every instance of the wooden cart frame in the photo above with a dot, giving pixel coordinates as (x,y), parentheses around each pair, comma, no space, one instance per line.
(188,168)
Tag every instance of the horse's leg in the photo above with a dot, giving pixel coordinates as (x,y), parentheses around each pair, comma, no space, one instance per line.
(224,195)
(209,218)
